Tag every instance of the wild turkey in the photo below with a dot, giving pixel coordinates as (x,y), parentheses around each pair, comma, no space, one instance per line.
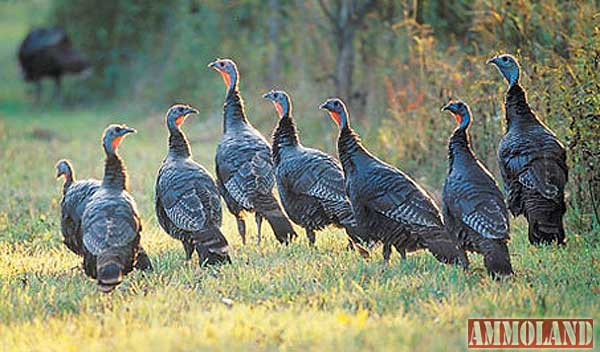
(76,195)
(473,206)
(188,205)
(310,182)
(386,201)
(111,224)
(245,174)
(47,52)
(533,162)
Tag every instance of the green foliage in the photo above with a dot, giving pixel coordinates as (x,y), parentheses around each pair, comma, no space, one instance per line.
(294,298)
(557,46)
(114,34)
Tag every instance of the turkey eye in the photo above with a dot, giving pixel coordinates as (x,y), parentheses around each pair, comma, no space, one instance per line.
(336,104)
(276,95)
(118,129)
(221,64)
(505,59)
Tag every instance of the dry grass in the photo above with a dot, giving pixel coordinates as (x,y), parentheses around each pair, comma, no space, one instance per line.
(270,298)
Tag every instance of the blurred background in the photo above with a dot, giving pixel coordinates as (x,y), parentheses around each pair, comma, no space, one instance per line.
(395,62)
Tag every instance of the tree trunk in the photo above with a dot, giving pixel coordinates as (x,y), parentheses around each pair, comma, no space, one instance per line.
(345,52)
(345,63)
(346,17)
(274,43)
(419,11)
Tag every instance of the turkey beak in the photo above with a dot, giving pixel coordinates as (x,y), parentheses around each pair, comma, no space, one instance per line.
(267,95)
(128,130)
(446,107)
(324,106)
(491,61)
(191,111)
(214,66)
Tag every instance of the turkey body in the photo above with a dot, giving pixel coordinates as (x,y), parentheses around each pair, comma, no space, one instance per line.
(473,207)
(72,205)
(534,170)
(76,195)
(245,172)
(394,208)
(311,185)
(47,52)
(111,223)
(188,207)
(111,235)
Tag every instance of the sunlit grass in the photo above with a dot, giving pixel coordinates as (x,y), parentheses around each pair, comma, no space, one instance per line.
(282,297)
(270,297)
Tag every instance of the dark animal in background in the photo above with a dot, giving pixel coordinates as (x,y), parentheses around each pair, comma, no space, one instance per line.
(245,172)
(395,209)
(111,223)
(76,195)
(473,205)
(48,52)
(188,204)
(310,183)
(533,162)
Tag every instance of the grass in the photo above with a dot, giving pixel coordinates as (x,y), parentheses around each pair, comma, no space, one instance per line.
(271,297)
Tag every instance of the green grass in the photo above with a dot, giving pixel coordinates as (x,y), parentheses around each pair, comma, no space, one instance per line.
(294,297)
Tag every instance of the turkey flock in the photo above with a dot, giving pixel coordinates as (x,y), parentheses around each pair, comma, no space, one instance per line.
(374,202)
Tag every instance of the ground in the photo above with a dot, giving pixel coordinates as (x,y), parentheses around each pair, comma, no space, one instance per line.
(271,297)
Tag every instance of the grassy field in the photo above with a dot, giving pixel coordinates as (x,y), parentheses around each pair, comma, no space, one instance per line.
(271,297)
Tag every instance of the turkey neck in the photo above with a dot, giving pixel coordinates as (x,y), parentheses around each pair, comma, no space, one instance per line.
(69,180)
(459,147)
(179,146)
(518,112)
(234,113)
(285,135)
(351,150)
(115,174)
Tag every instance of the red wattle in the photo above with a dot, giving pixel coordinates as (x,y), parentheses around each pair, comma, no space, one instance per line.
(279,108)
(458,118)
(116,142)
(336,117)
(226,78)
(179,120)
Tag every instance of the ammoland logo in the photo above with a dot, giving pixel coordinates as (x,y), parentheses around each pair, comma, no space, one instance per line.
(530,333)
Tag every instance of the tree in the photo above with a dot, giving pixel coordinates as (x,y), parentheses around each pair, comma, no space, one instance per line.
(345,17)
(274,41)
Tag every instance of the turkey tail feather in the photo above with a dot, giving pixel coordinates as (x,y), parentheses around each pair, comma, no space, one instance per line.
(546,232)
(496,258)
(109,274)
(143,261)
(282,228)
(444,248)
(212,247)
(545,221)
(112,265)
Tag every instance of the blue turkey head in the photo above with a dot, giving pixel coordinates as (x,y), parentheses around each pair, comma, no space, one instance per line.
(113,135)
(461,112)
(508,66)
(63,168)
(228,70)
(178,113)
(281,100)
(337,110)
